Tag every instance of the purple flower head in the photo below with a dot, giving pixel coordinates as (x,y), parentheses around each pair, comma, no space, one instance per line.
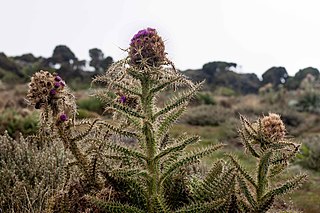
(63,117)
(123,99)
(143,33)
(147,48)
(57,78)
(56,84)
(53,92)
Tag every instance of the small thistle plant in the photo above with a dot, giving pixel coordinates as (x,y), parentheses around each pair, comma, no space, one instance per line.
(155,173)
(265,140)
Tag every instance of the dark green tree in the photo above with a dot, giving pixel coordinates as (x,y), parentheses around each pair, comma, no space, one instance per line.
(63,54)
(275,76)
(294,82)
(7,64)
(98,61)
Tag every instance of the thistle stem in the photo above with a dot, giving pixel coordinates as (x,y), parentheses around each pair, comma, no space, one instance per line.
(148,132)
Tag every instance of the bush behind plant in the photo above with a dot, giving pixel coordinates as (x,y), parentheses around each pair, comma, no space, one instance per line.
(30,173)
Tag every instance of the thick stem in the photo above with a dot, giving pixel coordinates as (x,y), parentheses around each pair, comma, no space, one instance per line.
(148,132)
(78,155)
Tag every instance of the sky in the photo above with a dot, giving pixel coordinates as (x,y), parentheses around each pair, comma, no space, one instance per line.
(255,34)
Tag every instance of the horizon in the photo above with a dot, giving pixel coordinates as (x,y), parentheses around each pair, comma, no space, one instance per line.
(254,35)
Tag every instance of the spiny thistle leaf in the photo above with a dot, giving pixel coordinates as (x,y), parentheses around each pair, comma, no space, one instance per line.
(178,147)
(126,110)
(189,160)
(179,100)
(247,145)
(127,89)
(263,170)
(160,205)
(112,207)
(241,170)
(243,207)
(220,187)
(214,172)
(286,187)
(119,131)
(131,189)
(86,132)
(125,172)
(110,102)
(231,205)
(126,151)
(164,85)
(202,207)
(277,169)
(265,205)
(246,191)
(137,122)
(167,122)
(135,73)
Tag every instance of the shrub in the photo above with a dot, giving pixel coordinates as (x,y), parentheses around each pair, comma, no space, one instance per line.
(15,122)
(225,91)
(309,156)
(309,102)
(205,98)
(91,104)
(30,175)
(206,115)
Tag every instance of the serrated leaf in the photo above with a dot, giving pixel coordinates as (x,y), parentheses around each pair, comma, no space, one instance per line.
(241,170)
(183,98)
(178,147)
(189,159)
(168,121)
(112,207)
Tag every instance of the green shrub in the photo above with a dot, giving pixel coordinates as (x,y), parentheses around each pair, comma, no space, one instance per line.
(309,156)
(225,91)
(205,98)
(309,102)
(29,175)
(83,114)
(10,77)
(15,122)
(206,115)
(91,104)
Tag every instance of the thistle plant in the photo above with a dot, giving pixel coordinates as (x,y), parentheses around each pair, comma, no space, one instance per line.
(155,162)
(155,172)
(49,93)
(265,140)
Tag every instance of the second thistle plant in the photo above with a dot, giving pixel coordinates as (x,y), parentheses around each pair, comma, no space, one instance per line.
(265,140)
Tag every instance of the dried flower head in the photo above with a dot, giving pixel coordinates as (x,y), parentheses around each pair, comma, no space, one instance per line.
(47,92)
(273,127)
(42,87)
(147,48)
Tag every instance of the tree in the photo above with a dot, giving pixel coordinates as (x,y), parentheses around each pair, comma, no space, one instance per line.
(294,82)
(98,61)
(63,54)
(8,64)
(213,68)
(275,76)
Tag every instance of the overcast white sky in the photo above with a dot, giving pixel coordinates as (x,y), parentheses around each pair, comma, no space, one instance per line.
(255,34)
